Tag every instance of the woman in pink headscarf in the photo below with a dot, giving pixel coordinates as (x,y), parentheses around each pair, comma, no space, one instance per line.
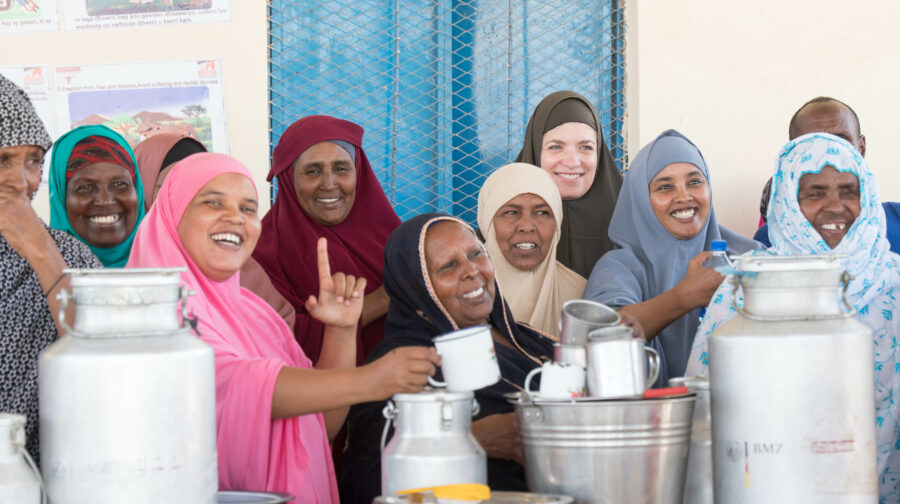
(274,412)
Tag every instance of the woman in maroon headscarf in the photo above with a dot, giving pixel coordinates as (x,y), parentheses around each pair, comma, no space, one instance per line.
(326,187)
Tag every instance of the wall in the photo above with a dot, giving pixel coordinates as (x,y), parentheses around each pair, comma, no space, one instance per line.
(730,75)
(240,44)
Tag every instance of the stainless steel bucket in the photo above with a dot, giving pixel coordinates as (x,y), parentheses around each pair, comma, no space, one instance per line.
(609,452)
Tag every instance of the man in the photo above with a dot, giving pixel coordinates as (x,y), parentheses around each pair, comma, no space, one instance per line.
(32,257)
(828,115)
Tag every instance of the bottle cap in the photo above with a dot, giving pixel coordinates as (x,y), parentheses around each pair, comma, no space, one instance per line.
(718,245)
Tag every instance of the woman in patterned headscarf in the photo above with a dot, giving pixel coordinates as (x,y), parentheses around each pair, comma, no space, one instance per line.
(816,171)
(32,259)
(96,193)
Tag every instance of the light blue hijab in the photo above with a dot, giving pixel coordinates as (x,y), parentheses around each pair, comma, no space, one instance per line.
(648,260)
(872,292)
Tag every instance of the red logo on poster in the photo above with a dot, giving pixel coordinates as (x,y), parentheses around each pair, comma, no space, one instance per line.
(5,4)
(205,68)
(34,75)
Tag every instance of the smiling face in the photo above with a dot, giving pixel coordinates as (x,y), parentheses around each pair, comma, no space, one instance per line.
(461,272)
(325,181)
(220,227)
(101,204)
(569,155)
(524,229)
(20,169)
(830,202)
(679,195)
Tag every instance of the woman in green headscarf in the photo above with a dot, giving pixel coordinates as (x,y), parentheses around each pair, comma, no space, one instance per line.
(96,193)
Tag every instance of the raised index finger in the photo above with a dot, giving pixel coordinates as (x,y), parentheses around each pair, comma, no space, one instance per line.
(324,267)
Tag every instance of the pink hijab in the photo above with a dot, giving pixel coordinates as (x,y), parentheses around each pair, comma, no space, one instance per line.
(251,343)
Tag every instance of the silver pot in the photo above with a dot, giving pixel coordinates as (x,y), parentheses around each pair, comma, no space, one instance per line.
(792,389)
(127,396)
(433,442)
(606,451)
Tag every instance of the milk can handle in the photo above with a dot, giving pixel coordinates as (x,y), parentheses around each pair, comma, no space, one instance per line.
(653,358)
(18,440)
(63,297)
(389,412)
(846,277)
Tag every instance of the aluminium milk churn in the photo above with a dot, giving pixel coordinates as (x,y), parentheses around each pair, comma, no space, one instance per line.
(433,442)
(20,482)
(792,388)
(127,396)
(698,484)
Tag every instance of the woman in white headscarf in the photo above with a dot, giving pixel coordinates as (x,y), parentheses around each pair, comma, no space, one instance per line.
(867,257)
(519,215)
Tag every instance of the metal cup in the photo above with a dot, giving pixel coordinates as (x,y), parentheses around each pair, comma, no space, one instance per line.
(618,368)
(573,355)
(611,333)
(581,316)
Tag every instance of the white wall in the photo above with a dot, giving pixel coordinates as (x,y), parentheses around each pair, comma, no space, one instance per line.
(729,75)
(240,44)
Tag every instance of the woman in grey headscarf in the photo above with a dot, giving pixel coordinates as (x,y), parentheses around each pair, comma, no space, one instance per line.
(32,258)
(662,224)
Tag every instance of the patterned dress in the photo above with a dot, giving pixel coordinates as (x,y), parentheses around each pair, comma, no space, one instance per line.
(27,327)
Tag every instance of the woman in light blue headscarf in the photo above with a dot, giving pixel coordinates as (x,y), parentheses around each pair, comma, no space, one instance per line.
(662,224)
(876,274)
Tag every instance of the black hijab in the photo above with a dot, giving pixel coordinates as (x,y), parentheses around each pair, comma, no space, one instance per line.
(585,226)
(414,317)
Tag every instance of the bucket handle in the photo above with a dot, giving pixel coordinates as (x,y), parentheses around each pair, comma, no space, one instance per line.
(390,413)
(18,441)
(63,296)
(846,277)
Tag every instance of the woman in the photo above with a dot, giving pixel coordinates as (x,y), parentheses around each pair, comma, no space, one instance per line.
(95,192)
(272,434)
(326,188)
(157,155)
(564,138)
(520,216)
(32,260)
(440,279)
(796,230)
(663,222)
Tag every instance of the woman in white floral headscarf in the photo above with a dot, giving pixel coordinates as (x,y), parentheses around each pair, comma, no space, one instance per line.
(876,273)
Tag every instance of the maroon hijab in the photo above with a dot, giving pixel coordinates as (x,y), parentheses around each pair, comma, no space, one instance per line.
(287,246)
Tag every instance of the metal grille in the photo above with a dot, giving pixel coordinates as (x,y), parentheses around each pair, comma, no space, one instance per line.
(443,88)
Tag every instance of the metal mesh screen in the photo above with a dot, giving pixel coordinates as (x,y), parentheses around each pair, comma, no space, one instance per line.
(443,88)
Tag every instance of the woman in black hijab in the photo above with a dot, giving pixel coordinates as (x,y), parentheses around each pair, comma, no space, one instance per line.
(426,300)
(564,138)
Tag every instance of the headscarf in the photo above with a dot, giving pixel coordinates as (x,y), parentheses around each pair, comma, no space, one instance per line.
(415,316)
(584,237)
(251,344)
(19,122)
(287,247)
(535,297)
(872,292)
(158,152)
(111,257)
(649,260)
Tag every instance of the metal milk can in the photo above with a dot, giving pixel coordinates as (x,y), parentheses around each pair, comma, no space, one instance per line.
(433,442)
(127,396)
(20,482)
(698,484)
(792,390)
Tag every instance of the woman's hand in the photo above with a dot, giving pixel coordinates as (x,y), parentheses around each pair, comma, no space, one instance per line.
(699,283)
(403,370)
(20,225)
(631,321)
(499,436)
(340,299)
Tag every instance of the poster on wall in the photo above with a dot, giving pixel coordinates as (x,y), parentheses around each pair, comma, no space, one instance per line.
(111,14)
(35,81)
(25,16)
(140,100)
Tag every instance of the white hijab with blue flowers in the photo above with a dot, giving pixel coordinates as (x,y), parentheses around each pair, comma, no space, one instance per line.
(873,291)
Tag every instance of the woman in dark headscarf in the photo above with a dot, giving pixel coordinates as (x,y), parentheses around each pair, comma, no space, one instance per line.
(564,138)
(662,224)
(157,155)
(326,187)
(416,280)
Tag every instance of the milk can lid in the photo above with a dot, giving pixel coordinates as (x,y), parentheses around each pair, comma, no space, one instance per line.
(430,394)
(760,263)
